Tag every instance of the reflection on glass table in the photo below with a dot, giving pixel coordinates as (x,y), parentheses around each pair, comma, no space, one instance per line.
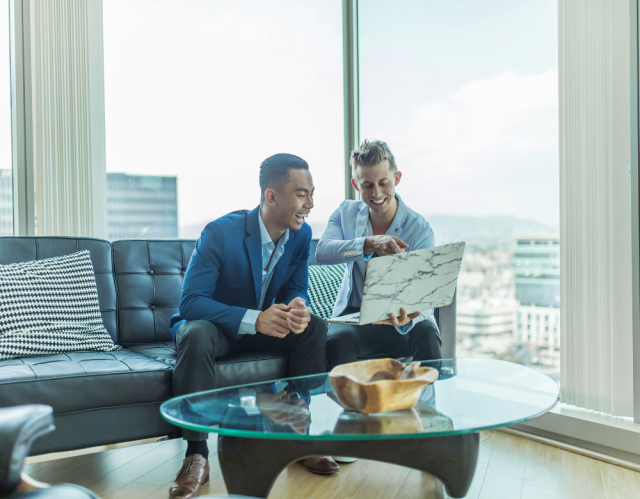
(471,395)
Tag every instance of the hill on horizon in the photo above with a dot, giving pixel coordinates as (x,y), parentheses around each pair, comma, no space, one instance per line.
(491,232)
(496,231)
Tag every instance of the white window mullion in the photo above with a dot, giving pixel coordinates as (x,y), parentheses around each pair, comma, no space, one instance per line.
(58,120)
(595,215)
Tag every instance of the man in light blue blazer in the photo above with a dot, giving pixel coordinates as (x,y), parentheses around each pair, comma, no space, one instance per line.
(380,224)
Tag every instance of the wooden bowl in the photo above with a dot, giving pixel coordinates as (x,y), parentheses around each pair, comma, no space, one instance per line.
(383,385)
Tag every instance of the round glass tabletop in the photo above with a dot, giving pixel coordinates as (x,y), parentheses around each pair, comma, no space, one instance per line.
(471,395)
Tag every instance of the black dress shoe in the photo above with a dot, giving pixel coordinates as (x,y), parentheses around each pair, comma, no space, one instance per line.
(320,465)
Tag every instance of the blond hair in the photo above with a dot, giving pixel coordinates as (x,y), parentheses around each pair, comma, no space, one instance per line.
(371,154)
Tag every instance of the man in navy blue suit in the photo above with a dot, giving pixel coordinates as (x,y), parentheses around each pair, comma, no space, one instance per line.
(245,289)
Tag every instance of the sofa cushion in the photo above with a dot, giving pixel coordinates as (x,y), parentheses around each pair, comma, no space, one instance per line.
(232,369)
(324,283)
(84,380)
(149,276)
(163,351)
(50,306)
(251,367)
(16,249)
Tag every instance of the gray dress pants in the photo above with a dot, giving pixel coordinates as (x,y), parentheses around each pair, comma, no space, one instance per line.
(346,342)
(200,343)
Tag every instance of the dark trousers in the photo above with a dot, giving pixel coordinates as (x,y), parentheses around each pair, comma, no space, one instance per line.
(346,342)
(200,343)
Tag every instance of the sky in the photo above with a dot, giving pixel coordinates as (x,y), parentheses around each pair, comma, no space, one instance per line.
(465,93)
(207,89)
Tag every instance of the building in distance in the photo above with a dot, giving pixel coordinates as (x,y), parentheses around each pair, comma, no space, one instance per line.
(485,327)
(141,207)
(536,265)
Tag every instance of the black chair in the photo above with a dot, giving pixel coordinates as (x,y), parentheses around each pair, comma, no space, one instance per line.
(19,427)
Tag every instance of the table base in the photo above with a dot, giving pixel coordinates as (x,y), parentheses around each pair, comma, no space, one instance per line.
(250,466)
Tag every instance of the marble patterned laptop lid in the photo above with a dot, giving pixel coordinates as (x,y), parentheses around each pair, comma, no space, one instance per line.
(416,280)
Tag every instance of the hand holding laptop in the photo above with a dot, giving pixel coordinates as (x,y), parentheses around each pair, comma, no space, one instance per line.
(402,320)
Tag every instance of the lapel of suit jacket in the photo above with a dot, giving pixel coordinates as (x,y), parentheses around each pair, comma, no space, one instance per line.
(253,243)
(279,271)
(361,220)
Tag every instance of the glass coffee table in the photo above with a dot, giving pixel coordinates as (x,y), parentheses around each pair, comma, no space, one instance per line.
(264,427)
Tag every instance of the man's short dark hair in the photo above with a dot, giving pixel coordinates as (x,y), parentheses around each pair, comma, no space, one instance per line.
(371,154)
(274,171)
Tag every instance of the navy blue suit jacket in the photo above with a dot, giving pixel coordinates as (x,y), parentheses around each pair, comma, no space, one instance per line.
(224,276)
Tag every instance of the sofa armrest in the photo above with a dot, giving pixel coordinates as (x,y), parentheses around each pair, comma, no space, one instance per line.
(19,427)
(446,319)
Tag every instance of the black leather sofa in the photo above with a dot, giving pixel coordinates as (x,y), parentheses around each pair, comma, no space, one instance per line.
(101,398)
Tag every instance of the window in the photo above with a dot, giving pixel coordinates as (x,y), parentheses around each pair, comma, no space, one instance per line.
(199,92)
(469,106)
(6,178)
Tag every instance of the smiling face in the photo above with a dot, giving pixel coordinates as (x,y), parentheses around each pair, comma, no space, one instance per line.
(377,186)
(291,203)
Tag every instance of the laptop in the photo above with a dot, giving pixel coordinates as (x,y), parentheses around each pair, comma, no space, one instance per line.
(416,280)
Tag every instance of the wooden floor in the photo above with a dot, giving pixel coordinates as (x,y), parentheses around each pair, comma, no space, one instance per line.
(509,467)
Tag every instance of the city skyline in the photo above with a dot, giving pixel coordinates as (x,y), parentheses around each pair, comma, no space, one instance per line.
(141,207)
(479,230)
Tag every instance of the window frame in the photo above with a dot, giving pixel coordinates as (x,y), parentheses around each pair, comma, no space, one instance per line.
(635,202)
(22,161)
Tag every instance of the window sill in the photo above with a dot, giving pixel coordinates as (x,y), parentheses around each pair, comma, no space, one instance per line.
(614,436)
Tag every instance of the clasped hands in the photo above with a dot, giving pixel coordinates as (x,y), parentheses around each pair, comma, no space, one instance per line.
(279,320)
(283,409)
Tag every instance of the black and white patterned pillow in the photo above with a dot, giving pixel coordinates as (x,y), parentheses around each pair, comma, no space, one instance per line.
(51,306)
(324,283)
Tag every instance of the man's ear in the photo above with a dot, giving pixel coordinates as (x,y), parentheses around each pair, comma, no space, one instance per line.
(270,197)
(398,177)
(355,186)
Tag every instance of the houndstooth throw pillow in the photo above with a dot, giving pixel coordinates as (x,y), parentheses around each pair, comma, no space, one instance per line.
(324,283)
(51,306)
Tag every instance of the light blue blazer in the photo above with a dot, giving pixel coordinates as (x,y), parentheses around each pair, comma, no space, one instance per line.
(343,242)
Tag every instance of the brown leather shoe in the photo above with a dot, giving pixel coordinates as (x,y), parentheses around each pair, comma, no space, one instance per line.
(190,479)
(320,465)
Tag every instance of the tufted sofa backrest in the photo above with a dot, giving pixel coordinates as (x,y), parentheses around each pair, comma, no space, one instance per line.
(18,249)
(149,277)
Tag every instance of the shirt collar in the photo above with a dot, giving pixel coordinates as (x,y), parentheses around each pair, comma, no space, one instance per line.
(265,238)
(401,213)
